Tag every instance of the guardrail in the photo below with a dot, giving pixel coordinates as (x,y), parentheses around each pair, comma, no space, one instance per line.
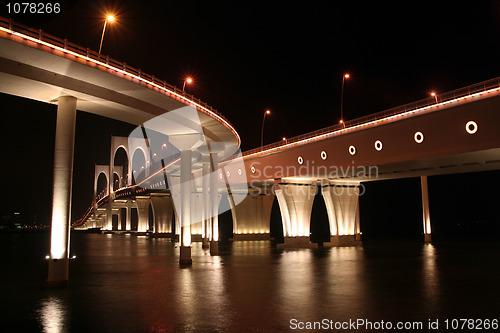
(174,92)
(444,97)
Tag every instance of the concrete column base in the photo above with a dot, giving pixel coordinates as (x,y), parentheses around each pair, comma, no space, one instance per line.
(298,242)
(58,273)
(214,248)
(427,238)
(251,237)
(185,256)
(345,240)
(205,243)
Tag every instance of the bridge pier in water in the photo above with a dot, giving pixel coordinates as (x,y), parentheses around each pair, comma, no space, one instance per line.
(58,274)
(295,201)
(251,217)
(142,214)
(214,202)
(162,214)
(425,209)
(342,205)
(205,218)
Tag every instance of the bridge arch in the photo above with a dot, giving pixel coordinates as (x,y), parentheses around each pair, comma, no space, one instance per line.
(101,171)
(121,158)
(139,165)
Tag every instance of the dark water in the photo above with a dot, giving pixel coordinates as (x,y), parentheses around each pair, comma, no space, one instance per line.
(122,283)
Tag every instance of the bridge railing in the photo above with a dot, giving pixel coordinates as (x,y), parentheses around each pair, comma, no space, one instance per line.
(444,97)
(174,91)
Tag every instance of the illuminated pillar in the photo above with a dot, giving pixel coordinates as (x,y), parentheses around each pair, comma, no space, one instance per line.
(251,216)
(295,201)
(142,214)
(185,235)
(61,204)
(128,217)
(162,212)
(94,220)
(342,205)
(214,205)
(109,207)
(205,237)
(425,209)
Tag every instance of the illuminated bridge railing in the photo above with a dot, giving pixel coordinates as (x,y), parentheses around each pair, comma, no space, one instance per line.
(173,91)
(441,98)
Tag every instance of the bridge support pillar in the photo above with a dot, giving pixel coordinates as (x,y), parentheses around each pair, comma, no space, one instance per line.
(295,201)
(342,205)
(185,184)
(214,203)
(206,225)
(425,209)
(162,212)
(62,183)
(251,217)
(128,216)
(109,213)
(142,214)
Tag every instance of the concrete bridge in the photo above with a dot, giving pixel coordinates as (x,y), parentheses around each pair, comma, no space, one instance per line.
(184,177)
(453,134)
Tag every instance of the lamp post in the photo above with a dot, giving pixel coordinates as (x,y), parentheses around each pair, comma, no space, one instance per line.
(188,80)
(262,131)
(110,18)
(345,76)
(433,94)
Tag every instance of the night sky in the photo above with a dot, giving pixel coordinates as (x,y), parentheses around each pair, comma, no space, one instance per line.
(247,57)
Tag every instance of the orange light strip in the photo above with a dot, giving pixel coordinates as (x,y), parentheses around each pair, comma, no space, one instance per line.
(184,99)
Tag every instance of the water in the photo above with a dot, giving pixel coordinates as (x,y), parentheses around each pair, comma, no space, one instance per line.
(122,283)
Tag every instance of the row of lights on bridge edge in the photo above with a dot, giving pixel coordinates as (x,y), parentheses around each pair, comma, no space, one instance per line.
(110,18)
(344,77)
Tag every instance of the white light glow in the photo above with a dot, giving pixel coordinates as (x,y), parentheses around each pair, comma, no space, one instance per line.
(58,236)
(471,127)
(419,137)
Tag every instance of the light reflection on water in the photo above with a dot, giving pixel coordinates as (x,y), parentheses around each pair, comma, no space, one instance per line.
(430,277)
(53,315)
(125,283)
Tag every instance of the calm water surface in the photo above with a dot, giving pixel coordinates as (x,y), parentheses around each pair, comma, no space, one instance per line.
(123,283)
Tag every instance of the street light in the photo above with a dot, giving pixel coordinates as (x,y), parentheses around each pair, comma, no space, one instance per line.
(262,131)
(188,80)
(433,94)
(110,18)
(345,76)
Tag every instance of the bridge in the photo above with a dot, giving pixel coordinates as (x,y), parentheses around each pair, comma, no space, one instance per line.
(454,134)
(189,153)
